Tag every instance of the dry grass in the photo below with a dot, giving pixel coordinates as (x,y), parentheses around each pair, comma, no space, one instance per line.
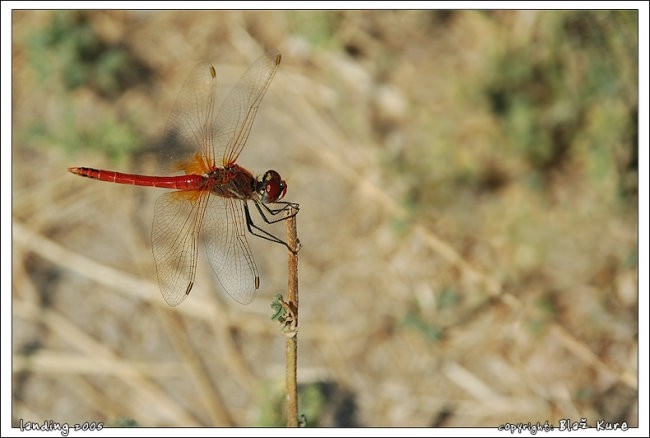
(457,268)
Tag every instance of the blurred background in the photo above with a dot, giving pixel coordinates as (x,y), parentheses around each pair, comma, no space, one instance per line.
(468,192)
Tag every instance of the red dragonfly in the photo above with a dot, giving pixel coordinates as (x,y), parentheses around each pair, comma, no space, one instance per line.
(211,198)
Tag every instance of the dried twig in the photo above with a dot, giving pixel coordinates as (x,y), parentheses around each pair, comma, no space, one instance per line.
(291,322)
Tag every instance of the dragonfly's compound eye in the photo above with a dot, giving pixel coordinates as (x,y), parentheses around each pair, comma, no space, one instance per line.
(274,187)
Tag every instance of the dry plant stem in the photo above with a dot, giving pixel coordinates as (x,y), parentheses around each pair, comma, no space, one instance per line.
(292,340)
(177,333)
(133,287)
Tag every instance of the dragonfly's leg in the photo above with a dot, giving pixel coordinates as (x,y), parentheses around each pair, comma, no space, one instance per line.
(286,206)
(259,232)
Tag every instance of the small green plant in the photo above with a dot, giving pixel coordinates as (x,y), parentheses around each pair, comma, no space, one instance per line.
(123,422)
(413,320)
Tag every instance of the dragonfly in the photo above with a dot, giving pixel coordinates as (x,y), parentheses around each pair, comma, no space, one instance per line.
(210,201)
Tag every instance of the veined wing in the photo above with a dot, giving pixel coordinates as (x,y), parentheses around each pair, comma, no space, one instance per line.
(228,251)
(174,236)
(191,130)
(237,113)
(195,129)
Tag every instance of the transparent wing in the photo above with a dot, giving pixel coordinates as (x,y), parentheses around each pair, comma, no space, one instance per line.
(174,236)
(196,129)
(228,251)
(191,124)
(237,113)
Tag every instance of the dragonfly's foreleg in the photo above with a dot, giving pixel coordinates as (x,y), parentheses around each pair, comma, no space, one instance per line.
(291,207)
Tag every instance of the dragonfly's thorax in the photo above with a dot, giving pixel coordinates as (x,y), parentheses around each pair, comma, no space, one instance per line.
(232,182)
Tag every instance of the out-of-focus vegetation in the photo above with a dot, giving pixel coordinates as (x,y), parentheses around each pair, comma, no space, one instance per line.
(562,101)
(468,190)
(68,56)
(78,57)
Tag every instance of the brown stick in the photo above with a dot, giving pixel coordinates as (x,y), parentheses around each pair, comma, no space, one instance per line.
(292,338)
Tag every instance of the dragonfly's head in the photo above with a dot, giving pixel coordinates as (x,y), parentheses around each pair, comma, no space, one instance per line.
(271,187)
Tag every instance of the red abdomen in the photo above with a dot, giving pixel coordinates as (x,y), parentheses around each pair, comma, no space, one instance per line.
(181,182)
